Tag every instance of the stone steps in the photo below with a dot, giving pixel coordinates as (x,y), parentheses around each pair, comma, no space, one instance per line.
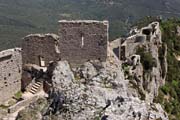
(35,87)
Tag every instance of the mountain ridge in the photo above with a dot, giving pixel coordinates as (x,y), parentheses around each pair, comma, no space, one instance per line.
(19,18)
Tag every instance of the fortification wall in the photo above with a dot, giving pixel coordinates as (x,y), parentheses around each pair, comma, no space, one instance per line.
(83,40)
(40,47)
(10,73)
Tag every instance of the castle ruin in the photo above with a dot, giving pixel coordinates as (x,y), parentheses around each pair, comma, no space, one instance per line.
(78,42)
(124,48)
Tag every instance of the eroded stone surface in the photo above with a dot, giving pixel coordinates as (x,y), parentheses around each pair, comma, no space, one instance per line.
(10,73)
(40,49)
(107,95)
(83,40)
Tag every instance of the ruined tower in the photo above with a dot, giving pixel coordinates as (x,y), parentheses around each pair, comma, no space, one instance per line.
(10,73)
(83,40)
(40,49)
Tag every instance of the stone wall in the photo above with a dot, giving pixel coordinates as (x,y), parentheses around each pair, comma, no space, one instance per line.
(22,103)
(40,46)
(10,73)
(83,40)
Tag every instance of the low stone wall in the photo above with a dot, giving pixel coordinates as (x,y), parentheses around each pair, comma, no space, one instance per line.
(23,103)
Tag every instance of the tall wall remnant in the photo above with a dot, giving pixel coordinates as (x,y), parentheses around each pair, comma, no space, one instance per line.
(10,73)
(83,40)
(40,49)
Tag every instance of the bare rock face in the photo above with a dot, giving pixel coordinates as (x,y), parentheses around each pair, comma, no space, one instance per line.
(62,76)
(106,95)
(86,71)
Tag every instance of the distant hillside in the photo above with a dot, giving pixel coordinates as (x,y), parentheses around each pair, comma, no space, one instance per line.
(21,17)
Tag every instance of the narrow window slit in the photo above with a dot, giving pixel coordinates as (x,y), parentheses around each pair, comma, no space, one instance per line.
(82,40)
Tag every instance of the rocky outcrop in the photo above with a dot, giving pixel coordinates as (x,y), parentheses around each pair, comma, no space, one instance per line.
(93,91)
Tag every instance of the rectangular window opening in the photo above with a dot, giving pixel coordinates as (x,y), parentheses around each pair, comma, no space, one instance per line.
(5,58)
(82,41)
(41,61)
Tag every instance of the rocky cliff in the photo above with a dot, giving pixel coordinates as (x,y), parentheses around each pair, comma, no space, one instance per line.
(92,92)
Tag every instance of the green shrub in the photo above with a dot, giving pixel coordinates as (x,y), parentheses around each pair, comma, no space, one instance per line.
(147,60)
(165,89)
(172,86)
(18,95)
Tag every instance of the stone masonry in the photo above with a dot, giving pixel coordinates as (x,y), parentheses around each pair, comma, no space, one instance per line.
(40,49)
(83,40)
(10,73)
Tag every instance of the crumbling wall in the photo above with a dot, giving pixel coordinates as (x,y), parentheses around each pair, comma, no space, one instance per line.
(83,40)
(10,73)
(40,46)
(132,43)
(146,44)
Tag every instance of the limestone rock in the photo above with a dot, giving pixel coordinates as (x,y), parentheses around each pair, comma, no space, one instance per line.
(62,75)
(87,70)
(106,96)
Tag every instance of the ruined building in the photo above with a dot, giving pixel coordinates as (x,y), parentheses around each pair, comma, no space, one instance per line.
(78,42)
(40,49)
(83,40)
(140,52)
(10,73)
(125,48)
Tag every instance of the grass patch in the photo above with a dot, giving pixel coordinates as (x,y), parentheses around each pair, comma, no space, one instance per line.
(18,95)
(172,86)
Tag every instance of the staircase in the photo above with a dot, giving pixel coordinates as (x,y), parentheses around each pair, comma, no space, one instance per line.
(35,87)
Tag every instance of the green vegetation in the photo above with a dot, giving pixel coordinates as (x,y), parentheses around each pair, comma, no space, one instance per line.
(18,95)
(147,60)
(40,16)
(169,95)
